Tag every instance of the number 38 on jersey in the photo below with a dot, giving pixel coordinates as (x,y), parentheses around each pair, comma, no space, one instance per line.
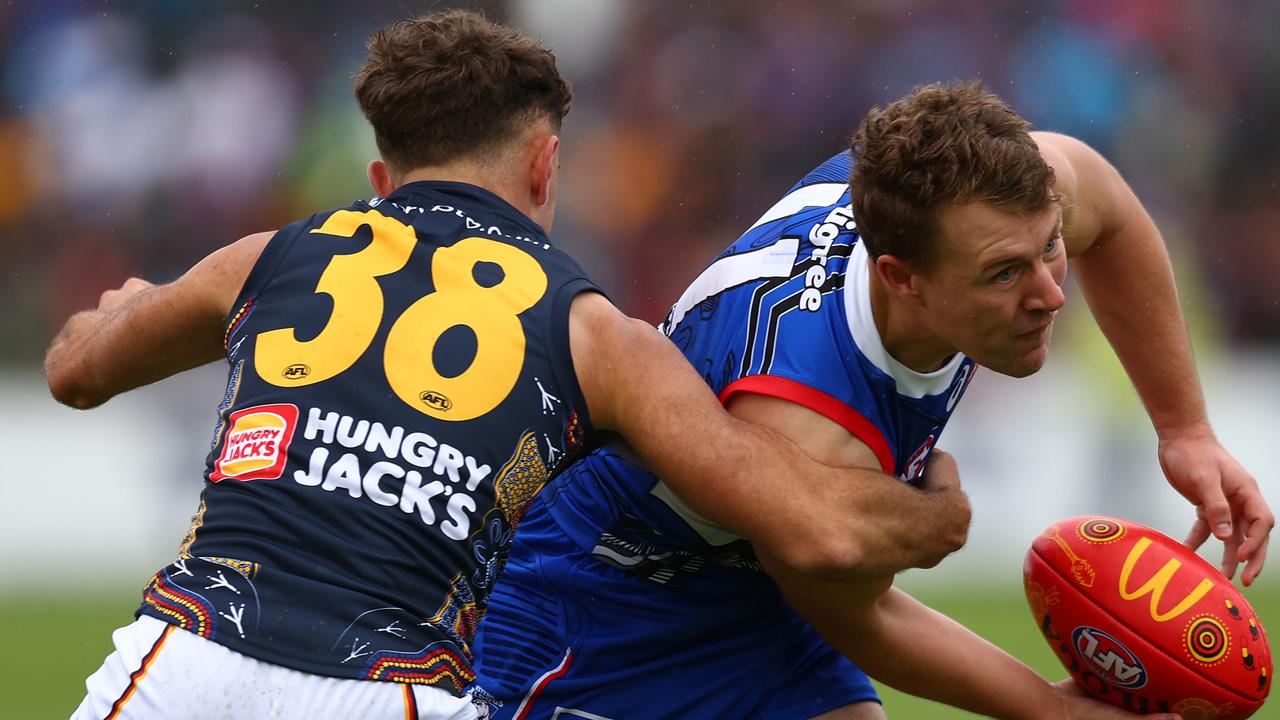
(491,312)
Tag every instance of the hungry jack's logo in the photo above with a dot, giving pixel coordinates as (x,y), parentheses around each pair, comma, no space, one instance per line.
(256,443)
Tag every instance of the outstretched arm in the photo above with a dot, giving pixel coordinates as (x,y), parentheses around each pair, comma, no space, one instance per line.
(1123,268)
(906,645)
(888,634)
(141,333)
(849,521)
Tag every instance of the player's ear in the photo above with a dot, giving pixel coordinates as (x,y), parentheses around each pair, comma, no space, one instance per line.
(542,170)
(380,178)
(897,276)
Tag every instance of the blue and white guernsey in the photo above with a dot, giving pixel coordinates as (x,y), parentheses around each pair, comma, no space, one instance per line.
(785,311)
(619,600)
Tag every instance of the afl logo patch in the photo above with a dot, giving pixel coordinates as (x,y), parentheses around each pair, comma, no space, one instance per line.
(435,400)
(256,443)
(916,463)
(1107,657)
(296,371)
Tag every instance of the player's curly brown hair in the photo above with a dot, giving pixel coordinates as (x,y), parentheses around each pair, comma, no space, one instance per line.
(944,144)
(452,84)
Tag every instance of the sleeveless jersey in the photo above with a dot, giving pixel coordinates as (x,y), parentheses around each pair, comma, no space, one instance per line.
(400,387)
(785,311)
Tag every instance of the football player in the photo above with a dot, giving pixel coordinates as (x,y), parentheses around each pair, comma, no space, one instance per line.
(404,375)
(850,318)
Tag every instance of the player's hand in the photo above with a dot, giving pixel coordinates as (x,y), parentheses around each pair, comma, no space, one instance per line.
(113,299)
(940,473)
(1077,705)
(950,520)
(1228,503)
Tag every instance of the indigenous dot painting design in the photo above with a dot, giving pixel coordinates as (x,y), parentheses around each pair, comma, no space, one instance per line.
(1197,709)
(1101,531)
(236,320)
(1207,640)
(1232,610)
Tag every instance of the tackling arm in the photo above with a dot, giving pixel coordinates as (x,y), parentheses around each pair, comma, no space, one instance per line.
(888,634)
(1123,268)
(744,477)
(141,333)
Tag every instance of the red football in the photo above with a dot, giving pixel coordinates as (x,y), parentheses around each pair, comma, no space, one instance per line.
(1143,622)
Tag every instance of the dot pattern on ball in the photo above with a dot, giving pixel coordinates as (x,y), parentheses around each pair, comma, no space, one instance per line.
(1101,531)
(1207,640)
(1196,709)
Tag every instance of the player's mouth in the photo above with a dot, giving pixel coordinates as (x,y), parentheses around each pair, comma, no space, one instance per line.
(1036,333)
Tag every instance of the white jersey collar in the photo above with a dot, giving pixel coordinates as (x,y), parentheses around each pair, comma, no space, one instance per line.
(862,326)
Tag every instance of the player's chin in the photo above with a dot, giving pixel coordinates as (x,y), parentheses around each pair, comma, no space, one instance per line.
(1023,364)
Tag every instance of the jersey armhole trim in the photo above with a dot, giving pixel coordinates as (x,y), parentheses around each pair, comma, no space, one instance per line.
(566,374)
(260,276)
(821,403)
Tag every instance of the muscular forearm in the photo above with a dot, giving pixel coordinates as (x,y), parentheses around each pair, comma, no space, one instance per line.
(832,522)
(746,476)
(912,648)
(906,645)
(104,352)
(896,526)
(1128,282)
(1123,267)
(141,333)
(70,371)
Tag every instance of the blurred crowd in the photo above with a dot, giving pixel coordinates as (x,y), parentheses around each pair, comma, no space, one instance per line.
(139,135)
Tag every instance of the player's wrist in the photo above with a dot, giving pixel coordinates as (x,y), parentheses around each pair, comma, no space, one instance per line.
(1196,428)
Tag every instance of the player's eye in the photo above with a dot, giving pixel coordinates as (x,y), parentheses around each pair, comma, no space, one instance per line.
(1052,245)
(1005,275)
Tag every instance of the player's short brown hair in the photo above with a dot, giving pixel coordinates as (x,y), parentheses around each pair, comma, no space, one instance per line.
(453,84)
(943,145)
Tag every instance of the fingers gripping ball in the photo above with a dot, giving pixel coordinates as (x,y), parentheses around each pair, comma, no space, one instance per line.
(1144,623)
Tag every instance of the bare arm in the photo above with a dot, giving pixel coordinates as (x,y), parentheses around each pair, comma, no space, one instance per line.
(743,477)
(906,645)
(887,633)
(897,520)
(1123,268)
(142,333)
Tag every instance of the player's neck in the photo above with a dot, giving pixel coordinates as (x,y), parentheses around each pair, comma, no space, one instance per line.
(498,182)
(904,331)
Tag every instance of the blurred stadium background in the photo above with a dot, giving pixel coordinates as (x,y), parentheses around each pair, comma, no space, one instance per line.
(138,135)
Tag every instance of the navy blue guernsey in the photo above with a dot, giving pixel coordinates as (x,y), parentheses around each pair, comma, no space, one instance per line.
(400,387)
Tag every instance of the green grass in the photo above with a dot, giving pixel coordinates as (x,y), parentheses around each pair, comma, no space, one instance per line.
(51,643)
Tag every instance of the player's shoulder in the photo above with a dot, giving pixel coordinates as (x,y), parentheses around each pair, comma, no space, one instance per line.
(835,169)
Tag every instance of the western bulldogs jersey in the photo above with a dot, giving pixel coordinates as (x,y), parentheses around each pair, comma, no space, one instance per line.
(400,388)
(621,602)
(785,311)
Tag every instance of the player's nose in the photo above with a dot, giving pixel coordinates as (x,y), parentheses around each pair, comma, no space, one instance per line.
(1046,292)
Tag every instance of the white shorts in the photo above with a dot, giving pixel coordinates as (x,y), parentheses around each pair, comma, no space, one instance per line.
(160,671)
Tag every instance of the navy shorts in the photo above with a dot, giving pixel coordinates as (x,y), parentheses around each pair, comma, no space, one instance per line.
(568,636)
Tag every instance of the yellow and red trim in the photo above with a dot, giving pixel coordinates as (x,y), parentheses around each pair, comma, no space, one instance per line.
(140,673)
(410,703)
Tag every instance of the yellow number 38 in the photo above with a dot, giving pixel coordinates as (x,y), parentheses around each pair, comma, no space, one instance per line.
(350,280)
